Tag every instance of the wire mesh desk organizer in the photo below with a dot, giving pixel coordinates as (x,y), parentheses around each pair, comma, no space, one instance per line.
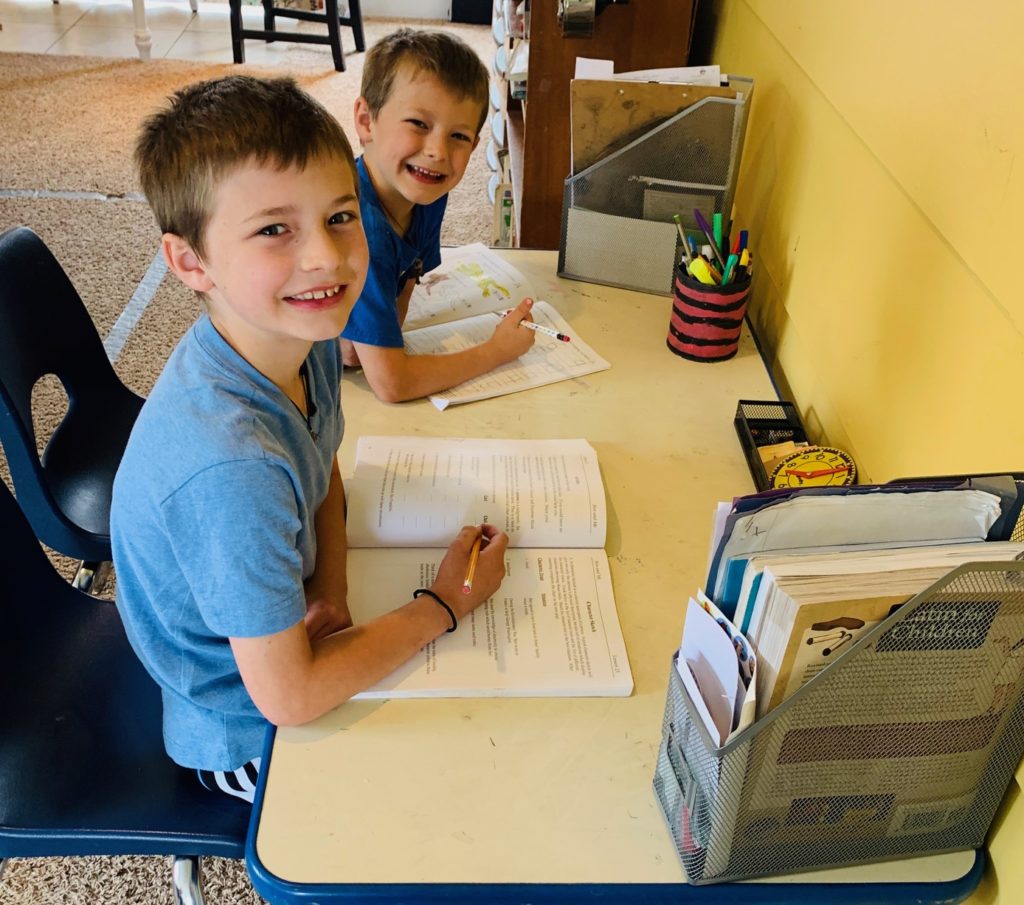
(617,226)
(903,746)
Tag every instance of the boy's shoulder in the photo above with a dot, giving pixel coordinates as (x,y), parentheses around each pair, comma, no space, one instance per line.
(210,407)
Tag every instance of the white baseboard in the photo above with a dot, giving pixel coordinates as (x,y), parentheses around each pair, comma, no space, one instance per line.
(409,9)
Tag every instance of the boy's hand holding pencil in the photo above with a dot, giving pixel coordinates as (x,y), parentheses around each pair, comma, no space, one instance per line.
(472,569)
(508,338)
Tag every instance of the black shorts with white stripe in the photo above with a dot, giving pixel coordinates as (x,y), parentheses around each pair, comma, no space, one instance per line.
(240,783)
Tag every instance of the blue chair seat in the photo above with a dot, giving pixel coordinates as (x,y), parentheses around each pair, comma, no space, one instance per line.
(82,764)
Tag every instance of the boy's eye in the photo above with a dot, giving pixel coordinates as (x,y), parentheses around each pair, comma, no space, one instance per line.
(418,123)
(275,229)
(462,136)
(342,217)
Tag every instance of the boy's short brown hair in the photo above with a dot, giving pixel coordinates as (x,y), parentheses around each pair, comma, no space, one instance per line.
(453,62)
(213,126)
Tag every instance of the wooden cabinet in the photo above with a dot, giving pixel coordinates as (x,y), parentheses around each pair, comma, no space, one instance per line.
(534,131)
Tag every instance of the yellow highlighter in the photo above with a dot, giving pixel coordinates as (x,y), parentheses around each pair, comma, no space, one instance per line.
(700,270)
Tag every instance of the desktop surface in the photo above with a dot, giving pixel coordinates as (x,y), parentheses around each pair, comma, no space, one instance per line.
(545,791)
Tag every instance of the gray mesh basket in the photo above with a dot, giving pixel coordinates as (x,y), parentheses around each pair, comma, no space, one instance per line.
(903,746)
(617,225)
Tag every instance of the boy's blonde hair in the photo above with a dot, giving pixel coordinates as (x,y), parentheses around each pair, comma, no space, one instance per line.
(446,57)
(211,127)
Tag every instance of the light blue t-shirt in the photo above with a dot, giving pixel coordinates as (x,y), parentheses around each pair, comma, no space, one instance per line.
(374,319)
(212,525)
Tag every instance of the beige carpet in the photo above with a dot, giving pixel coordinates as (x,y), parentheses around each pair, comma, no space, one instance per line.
(67,127)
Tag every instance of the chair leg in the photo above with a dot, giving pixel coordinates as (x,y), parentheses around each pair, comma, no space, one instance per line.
(187,879)
(268,18)
(237,45)
(194,4)
(92,577)
(356,18)
(334,33)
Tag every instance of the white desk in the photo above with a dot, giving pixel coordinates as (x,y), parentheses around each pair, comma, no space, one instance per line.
(541,791)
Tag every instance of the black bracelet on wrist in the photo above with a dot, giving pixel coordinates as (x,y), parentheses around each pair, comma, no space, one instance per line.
(440,602)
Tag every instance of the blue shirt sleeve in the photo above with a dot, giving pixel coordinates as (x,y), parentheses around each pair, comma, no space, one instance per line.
(374,319)
(234,529)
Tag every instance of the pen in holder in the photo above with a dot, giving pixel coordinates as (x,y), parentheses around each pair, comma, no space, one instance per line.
(706,318)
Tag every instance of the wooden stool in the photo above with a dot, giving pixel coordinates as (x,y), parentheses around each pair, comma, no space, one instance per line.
(354,20)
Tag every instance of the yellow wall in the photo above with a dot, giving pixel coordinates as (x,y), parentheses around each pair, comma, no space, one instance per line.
(881,185)
(885,201)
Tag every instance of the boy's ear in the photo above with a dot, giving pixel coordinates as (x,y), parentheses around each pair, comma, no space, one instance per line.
(363,120)
(185,263)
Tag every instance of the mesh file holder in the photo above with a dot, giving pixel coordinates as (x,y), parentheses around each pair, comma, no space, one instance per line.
(617,225)
(903,746)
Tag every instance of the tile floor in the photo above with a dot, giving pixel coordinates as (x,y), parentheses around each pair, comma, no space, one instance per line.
(106,28)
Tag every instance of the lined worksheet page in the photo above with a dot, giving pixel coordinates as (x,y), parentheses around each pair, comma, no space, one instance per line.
(551,629)
(548,361)
(419,491)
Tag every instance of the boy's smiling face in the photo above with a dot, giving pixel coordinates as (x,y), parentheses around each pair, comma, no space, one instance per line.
(418,145)
(285,257)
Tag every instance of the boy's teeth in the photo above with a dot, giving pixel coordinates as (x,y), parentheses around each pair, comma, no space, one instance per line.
(321,294)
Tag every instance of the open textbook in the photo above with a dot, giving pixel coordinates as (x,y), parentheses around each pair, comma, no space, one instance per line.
(456,306)
(552,628)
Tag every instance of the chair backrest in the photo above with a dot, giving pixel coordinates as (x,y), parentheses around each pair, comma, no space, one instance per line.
(82,763)
(45,329)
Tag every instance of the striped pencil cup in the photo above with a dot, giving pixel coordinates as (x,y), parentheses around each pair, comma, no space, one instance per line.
(706,320)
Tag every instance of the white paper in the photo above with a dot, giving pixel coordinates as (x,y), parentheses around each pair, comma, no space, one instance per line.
(688,75)
(711,657)
(548,360)
(588,68)
(551,629)
(471,280)
(419,491)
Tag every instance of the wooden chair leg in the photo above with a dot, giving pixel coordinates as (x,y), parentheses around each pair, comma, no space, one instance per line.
(356,17)
(334,33)
(237,45)
(268,18)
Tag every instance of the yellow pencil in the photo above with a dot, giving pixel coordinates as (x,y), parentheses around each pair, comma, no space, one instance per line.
(474,555)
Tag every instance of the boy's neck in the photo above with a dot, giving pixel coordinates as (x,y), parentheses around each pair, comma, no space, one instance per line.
(397,208)
(278,360)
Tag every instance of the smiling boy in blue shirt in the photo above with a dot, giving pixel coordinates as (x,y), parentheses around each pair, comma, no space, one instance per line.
(227,522)
(423,101)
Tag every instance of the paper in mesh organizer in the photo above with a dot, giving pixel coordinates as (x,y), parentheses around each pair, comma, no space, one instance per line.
(903,746)
(617,226)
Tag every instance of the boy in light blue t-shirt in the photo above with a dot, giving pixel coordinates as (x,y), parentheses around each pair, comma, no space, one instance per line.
(227,521)
(423,100)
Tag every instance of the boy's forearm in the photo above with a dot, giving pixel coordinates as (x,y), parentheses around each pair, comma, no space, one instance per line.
(293,680)
(329,578)
(395,376)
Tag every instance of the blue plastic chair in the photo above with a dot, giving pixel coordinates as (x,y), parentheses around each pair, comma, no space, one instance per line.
(45,329)
(82,763)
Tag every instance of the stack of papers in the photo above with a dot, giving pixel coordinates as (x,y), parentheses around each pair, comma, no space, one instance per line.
(718,669)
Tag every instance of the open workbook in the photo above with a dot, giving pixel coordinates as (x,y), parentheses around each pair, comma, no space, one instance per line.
(457,305)
(551,629)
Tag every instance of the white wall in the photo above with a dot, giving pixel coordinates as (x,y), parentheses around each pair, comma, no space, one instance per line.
(408,9)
